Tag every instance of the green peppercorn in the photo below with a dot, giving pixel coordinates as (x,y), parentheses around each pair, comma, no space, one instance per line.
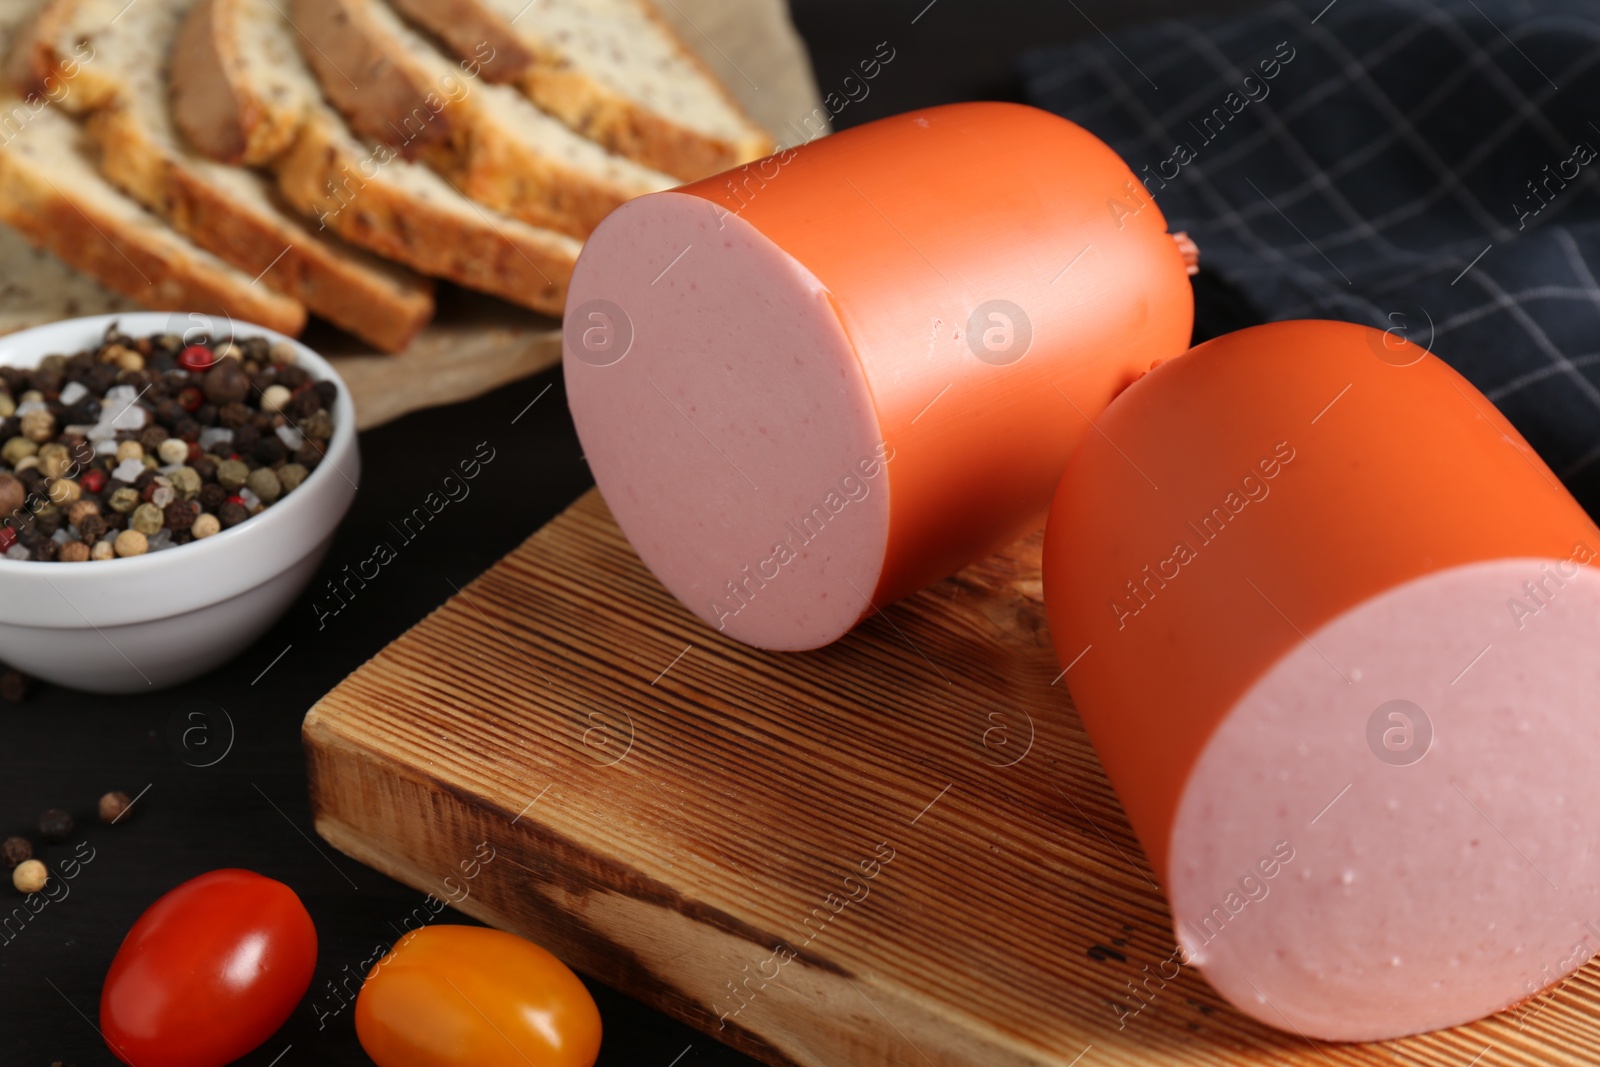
(264,484)
(232,473)
(124,500)
(147,519)
(38,425)
(54,460)
(186,480)
(16,450)
(318,426)
(290,475)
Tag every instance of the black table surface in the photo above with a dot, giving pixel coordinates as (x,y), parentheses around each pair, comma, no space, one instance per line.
(233,792)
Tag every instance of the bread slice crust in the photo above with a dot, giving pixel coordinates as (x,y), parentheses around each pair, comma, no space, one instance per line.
(393,86)
(226,210)
(555,78)
(211,102)
(368,195)
(52,195)
(371,198)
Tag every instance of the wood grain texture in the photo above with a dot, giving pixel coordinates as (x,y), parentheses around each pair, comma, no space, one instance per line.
(668,808)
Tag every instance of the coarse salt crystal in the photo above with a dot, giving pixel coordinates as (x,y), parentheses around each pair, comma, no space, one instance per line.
(30,405)
(163,496)
(212,435)
(120,392)
(18,552)
(292,438)
(251,501)
(105,446)
(61,536)
(131,417)
(160,539)
(73,392)
(128,470)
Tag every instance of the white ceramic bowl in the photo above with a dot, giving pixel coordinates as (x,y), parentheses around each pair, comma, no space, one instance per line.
(138,624)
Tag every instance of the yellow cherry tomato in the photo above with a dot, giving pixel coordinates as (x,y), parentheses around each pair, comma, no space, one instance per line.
(465,996)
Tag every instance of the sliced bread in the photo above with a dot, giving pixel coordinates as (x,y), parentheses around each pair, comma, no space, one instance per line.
(396,87)
(227,210)
(361,191)
(611,69)
(232,74)
(405,211)
(51,193)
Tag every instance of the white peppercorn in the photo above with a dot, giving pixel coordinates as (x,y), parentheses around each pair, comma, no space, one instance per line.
(173,450)
(131,543)
(30,876)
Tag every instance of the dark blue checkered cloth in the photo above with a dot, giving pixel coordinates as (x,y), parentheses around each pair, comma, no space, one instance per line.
(1431,167)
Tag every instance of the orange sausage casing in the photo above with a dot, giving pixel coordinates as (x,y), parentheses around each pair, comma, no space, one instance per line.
(1332,631)
(812,385)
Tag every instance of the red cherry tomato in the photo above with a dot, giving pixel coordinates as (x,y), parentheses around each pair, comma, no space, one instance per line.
(196,358)
(464,996)
(209,972)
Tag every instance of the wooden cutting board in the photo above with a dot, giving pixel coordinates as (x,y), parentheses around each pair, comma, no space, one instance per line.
(899,849)
(477,343)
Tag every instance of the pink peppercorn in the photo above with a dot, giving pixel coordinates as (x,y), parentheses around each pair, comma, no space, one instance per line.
(196,358)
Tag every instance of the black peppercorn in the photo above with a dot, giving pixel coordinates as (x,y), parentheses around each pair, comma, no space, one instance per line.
(303,404)
(212,496)
(234,416)
(55,825)
(14,686)
(226,382)
(292,376)
(232,514)
(168,413)
(328,392)
(102,376)
(16,850)
(186,428)
(245,438)
(206,414)
(152,436)
(180,515)
(91,529)
(269,451)
(309,454)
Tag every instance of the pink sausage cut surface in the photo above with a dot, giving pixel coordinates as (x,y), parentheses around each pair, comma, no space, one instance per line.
(1332,627)
(815,384)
